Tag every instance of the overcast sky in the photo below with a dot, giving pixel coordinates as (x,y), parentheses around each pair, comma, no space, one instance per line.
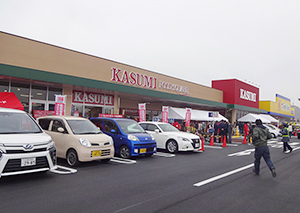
(255,41)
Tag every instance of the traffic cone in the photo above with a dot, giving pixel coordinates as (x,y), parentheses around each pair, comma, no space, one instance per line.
(202,145)
(212,141)
(224,141)
(245,141)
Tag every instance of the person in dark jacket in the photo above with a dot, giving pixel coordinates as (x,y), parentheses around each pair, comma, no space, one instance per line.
(216,131)
(286,138)
(260,137)
(229,130)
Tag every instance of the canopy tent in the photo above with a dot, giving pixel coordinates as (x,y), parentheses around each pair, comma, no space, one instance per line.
(197,115)
(10,100)
(270,118)
(252,118)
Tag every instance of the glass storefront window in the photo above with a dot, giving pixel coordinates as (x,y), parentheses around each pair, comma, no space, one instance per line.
(38,92)
(4,86)
(53,92)
(77,110)
(22,93)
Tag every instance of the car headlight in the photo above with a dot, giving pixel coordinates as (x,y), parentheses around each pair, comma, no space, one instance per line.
(50,144)
(111,141)
(85,142)
(132,138)
(184,139)
(152,138)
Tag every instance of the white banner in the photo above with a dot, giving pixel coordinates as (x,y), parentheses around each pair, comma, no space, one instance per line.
(165,110)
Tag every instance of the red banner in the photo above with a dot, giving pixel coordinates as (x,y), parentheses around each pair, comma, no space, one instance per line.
(165,111)
(142,112)
(60,101)
(188,116)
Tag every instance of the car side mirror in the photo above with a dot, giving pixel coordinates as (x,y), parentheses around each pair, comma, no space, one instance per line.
(60,129)
(113,131)
(156,130)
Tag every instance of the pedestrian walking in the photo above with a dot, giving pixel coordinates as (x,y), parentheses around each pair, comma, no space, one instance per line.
(285,139)
(260,137)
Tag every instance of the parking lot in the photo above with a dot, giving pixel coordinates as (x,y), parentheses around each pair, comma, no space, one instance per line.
(216,180)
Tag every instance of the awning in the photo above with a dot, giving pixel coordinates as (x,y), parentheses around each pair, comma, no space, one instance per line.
(197,115)
(10,100)
(252,118)
(270,118)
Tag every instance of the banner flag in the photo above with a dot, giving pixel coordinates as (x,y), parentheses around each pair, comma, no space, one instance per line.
(165,111)
(60,102)
(142,112)
(188,116)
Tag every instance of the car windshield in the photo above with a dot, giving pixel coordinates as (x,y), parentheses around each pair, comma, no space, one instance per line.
(81,127)
(168,128)
(17,123)
(130,126)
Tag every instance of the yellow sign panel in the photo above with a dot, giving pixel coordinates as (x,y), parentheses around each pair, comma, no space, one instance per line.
(282,106)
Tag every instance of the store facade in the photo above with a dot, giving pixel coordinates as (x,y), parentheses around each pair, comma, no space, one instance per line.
(281,109)
(36,72)
(242,98)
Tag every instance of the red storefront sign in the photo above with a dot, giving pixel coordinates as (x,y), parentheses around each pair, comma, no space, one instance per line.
(110,115)
(238,92)
(41,113)
(92,98)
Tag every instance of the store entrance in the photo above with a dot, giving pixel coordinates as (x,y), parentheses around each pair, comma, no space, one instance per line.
(92,111)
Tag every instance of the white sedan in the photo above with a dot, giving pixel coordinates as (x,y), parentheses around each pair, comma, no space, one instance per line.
(169,138)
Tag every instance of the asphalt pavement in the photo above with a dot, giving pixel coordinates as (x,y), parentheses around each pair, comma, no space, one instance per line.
(219,179)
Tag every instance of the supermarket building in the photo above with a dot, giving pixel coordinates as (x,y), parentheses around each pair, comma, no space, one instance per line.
(37,71)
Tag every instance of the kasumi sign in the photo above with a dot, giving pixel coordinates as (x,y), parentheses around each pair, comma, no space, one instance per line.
(140,80)
(92,98)
(238,92)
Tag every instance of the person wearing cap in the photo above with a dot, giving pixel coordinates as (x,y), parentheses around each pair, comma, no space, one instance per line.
(260,140)
(286,138)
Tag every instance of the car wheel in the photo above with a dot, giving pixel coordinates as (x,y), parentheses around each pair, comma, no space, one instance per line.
(273,135)
(72,158)
(124,152)
(171,146)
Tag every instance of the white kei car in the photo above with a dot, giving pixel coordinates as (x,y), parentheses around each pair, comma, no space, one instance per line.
(170,138)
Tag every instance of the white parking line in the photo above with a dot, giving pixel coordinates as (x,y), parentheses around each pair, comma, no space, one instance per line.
(162,154)
(63,170)
(223,175)
(122,160)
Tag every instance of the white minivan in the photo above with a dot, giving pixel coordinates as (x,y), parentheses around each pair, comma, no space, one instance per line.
(24,146)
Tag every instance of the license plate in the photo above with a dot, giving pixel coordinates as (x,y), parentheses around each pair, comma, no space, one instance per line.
(143,150)
(28,162)
(96,153)
(197,145)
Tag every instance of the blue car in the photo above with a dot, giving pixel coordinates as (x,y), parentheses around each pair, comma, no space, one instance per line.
(130,139)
